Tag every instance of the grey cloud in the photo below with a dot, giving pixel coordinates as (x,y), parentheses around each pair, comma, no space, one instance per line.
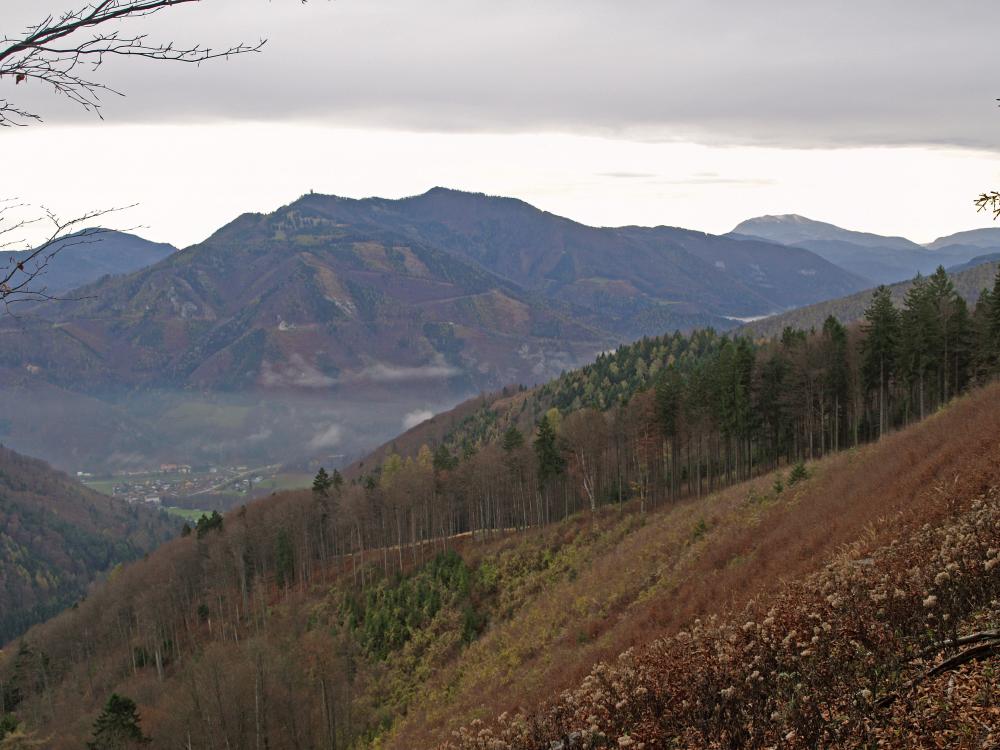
(627,175)
(782,72)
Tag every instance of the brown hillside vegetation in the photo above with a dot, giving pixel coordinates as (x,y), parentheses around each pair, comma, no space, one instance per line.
(230,637)
(710,557)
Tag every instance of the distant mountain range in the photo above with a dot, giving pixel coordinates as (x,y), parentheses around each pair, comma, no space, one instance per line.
(323,326)
(85,257)
(880,259)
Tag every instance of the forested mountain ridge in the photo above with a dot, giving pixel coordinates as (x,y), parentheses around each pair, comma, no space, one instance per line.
(56,536)
(315,618)
(969,283)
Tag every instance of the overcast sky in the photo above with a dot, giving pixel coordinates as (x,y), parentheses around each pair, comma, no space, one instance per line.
(877,116)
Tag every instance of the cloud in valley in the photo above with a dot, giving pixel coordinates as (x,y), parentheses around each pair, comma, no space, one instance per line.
(382,372)
(330,437)
(414,418)
(295,373)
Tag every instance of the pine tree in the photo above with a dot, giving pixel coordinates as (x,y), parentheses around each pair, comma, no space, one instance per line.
(919,335)
(879,350)
(512,439)
(837,377)
(322,483)
(550,461)
(993,320)
(117,728)
(668,397)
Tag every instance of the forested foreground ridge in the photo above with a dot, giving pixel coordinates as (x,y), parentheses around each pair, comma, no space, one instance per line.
(57,536)
(435,589)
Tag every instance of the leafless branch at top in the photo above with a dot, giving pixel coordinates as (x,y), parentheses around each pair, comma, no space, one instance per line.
(989,202)
(21,275)
(64,51)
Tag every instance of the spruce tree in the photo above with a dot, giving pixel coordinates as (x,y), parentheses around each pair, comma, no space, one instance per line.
(117,728)
(919,334)
(993,320)
(550,461)
(512,439)
(879,350)
(322,483)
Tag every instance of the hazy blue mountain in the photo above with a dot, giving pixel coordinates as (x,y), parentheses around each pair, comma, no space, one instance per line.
(85,257)
(987,237)
(977,261)
(792,229)
(881,260)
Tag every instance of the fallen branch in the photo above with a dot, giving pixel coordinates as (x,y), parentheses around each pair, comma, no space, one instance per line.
(981,651)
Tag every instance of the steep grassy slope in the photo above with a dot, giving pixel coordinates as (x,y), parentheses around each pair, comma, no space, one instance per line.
(57,536)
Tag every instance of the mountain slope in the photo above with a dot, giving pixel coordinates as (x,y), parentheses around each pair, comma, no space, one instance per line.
(620,273)
(85,257)
(56,536)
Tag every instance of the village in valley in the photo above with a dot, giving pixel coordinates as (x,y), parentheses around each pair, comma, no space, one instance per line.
(186,489)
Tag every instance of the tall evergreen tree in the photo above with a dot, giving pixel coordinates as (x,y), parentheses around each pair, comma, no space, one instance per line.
(993,320)
(918,340)
(550,461)
(668,397)
(512,439)
(837,377)
(322,483)
(879,350)
(117,728)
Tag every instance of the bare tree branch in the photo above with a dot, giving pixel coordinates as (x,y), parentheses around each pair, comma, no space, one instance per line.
(989,202)
(64,51)
(21,276)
